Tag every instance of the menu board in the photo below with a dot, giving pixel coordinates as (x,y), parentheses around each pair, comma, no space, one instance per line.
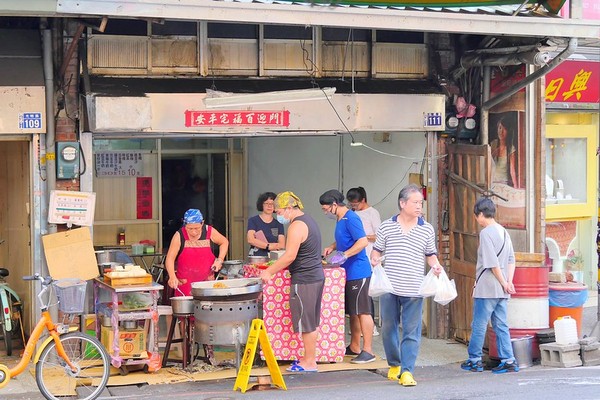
(71,208)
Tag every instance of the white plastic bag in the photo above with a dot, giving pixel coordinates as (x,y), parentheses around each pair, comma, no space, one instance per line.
(380,283)
(446,290)
(429,286)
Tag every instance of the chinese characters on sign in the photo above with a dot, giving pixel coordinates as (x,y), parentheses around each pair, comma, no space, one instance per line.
(236,118)
(574,82)
(144,197)
(111,164)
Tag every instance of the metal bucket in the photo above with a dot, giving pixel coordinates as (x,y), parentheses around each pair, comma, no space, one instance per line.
(522,349)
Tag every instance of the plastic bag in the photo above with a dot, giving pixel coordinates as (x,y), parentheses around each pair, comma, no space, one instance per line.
(429,286)
(337,257)
(380,283)
(446,290)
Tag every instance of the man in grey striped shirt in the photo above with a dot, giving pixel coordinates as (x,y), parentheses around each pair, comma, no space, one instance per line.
(406,240)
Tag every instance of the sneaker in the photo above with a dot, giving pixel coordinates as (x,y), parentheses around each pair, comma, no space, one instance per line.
(363,358)
(472,366)
(394,373)
(506,367)
(350,352)
(375,331)
(406,379)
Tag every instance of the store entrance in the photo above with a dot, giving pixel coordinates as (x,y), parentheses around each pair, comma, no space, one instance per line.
(15,228)
(193,181)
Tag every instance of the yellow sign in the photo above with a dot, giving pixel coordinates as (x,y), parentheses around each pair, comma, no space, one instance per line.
(258,334)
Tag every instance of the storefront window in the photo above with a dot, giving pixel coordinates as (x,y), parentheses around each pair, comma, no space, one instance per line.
(570,249)
(566,170)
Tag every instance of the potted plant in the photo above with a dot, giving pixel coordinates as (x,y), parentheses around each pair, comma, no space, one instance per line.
(574,265)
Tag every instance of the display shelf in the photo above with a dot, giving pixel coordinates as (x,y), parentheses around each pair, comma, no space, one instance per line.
(149,315)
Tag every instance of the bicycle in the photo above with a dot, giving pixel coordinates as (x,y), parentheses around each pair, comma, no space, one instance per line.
(68,364)
(10,312)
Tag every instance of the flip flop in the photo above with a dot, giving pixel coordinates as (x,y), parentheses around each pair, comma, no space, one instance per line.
(297,368)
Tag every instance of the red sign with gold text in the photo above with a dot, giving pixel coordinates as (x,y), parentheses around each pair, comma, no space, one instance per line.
(144,197)
(574,82)
(194,119)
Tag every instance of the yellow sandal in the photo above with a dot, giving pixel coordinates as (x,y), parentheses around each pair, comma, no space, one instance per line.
(393,373)
(406,379)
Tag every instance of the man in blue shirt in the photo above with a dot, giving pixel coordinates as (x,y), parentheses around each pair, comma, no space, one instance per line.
(350,243)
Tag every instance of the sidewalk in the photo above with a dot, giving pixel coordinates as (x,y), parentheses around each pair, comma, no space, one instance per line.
(433,353)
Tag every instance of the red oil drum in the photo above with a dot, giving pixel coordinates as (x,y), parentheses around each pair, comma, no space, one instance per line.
(528,308)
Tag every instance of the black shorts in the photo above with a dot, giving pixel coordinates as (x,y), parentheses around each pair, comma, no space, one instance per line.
(305,305)
(357,297)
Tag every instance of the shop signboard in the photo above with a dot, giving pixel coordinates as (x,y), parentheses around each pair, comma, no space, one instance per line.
(574,81)
(236,118)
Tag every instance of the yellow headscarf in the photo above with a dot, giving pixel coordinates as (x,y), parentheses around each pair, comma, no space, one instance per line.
(288,199)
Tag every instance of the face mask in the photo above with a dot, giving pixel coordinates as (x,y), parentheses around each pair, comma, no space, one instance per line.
(331,215)
(282,220)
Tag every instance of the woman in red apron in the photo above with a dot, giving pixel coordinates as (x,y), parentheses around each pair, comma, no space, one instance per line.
(195,259)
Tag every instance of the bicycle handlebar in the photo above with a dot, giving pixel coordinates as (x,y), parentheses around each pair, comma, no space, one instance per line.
(37,277)
(45,286)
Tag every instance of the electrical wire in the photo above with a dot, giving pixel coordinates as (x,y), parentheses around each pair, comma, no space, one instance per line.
(396,185)
(358,144)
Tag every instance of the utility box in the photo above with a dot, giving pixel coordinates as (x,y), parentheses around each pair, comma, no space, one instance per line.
(67,160)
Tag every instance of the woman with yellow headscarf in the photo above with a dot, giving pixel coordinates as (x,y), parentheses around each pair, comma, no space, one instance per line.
(303,257)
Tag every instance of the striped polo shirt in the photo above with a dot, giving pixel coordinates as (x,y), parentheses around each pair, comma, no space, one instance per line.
(405,253)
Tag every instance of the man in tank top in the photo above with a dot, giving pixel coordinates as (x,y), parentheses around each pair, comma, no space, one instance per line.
(303,258)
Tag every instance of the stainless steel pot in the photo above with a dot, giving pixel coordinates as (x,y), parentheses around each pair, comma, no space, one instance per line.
(257,259)
(182,305)
(233,268)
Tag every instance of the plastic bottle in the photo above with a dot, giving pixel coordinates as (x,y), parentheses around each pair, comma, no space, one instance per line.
(122,237)
(565,330)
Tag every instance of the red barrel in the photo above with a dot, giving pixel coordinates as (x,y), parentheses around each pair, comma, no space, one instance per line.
(528,307)
(531,278)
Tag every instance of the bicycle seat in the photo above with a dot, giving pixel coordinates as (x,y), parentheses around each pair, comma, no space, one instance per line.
(3,272)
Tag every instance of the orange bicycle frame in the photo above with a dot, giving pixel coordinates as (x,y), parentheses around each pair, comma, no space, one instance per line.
(45,322)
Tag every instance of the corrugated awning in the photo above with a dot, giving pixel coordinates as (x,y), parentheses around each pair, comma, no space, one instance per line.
(469,20)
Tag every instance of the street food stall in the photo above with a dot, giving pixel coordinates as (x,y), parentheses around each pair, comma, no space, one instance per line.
(276,312)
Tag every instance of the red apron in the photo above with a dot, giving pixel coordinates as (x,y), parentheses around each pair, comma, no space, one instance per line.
(195,260)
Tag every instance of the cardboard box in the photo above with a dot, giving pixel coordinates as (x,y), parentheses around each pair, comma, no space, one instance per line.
(132,342)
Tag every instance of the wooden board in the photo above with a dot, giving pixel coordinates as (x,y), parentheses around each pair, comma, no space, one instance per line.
(137,280)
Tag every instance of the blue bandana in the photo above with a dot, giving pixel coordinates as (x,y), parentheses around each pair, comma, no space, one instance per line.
(192,216)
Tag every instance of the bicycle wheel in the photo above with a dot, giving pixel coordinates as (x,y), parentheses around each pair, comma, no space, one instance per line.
(7,340)
(56,380)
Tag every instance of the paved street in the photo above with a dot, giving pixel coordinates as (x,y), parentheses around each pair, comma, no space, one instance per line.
(438,374)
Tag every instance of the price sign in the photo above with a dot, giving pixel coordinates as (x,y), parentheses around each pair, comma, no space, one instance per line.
(119,164)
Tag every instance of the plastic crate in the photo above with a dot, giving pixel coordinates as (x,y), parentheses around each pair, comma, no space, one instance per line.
(71,295)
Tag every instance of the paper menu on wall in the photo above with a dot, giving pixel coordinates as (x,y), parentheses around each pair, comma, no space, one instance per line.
(260,235)
(71,208)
